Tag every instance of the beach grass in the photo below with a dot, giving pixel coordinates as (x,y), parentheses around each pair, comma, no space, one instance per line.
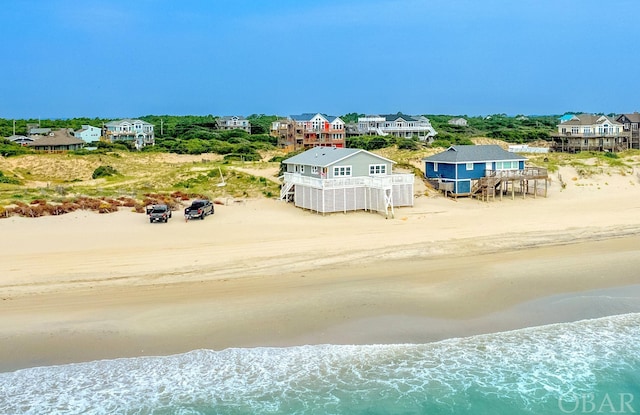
(59,177)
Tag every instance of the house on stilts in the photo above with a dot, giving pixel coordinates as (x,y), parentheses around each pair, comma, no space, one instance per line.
(331,179)
(484,171)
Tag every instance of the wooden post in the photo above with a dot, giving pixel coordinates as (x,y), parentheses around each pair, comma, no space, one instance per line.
(545,187)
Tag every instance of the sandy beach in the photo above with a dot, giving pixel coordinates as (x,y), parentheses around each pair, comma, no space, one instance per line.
(85,286)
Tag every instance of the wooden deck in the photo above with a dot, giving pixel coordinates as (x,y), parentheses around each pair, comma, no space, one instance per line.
(503,182)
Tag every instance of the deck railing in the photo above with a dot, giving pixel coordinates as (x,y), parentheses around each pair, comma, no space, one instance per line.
(380,182)
(528,172)
(591,134)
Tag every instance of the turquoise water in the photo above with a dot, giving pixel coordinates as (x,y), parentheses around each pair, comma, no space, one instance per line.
(591,366)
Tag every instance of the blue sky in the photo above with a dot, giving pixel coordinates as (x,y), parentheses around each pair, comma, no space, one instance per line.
(68,58)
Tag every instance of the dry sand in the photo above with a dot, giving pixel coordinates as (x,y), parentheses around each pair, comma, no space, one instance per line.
(85,286)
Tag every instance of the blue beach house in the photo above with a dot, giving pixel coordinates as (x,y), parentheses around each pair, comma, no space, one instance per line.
(461,167)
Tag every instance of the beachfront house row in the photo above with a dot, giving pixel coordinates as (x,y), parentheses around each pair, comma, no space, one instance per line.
(309,130)
(234,122)
(397,125)
(139,132)
(466,170)
(332,179)
(89,134)
(588,132)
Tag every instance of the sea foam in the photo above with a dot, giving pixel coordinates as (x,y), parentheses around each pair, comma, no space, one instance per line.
(522,371)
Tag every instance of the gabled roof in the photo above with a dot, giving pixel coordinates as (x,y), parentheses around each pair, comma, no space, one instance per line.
(393,117)
(127,120)
(20,138)
(308,116)
(469,154)
(589,119)
(635,117)
(36,131)
(56,140)
(326,156)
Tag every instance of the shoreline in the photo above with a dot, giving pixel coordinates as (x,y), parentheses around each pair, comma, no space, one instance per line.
(381,330)
(384,302)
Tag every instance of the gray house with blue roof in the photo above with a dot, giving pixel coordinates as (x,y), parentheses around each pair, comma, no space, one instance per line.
(468,169)
(331,179)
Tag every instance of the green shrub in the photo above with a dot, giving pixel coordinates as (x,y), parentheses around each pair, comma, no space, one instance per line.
(9,148)
(104,171)
(8,180)
(408,144)
(441,143)
(242,156)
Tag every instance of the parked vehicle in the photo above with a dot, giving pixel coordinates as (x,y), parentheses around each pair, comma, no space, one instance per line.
(158,213)
(199,208)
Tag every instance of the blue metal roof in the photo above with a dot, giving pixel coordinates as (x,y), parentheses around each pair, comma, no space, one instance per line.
(469,154)
(307,116)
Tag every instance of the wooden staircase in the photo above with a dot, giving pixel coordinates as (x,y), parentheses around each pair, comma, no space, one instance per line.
(486,187)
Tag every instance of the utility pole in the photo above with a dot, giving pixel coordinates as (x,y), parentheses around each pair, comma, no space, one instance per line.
(161,127)
(14,127)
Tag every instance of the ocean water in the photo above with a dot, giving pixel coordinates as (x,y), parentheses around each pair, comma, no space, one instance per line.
(590,366)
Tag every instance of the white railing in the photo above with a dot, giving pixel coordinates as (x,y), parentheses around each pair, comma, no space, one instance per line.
(381,182)
(592,134)
(417,128)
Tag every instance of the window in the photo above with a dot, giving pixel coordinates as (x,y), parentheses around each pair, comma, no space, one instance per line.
(301,169)
(376,169)
(435,166)
(342,171)
(314,170)
(507,165)
(469,166)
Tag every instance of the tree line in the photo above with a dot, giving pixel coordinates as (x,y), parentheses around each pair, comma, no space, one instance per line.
(195,134)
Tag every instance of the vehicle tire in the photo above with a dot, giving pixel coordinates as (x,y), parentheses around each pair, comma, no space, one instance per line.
(202,216)
(150,220)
